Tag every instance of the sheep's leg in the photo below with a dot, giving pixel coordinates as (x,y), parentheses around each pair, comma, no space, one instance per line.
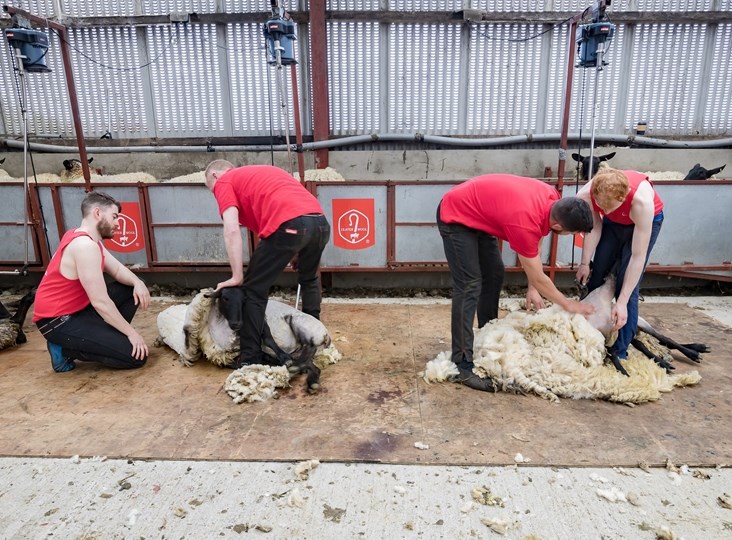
(691,351)
(657,359)
(617,363)
(306,365)
(698,347)
(281,357)
(20,315)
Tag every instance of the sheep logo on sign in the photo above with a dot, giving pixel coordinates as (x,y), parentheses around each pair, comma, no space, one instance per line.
(128,235)
(354,222)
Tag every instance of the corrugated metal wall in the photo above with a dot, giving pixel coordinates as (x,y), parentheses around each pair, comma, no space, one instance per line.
(207,80)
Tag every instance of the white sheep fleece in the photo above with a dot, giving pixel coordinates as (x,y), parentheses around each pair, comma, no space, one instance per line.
(555,354)
(329,174)
(43,178)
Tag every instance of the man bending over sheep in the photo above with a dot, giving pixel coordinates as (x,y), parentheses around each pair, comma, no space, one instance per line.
(471,218)
(291,226)
(627,214)
(80,316)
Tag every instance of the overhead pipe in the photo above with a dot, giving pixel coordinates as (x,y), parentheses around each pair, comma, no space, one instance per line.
(380,137)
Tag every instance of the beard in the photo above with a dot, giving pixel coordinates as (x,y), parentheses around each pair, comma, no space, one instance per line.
(105,229)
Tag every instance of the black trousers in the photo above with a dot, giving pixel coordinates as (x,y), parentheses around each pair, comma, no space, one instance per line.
(305,236)
(86,336)
(477,270)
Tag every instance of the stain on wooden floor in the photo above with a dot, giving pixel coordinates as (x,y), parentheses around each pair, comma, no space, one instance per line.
(373,405)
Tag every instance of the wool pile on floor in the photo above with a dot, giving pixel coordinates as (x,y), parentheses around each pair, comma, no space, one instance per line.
(555,354)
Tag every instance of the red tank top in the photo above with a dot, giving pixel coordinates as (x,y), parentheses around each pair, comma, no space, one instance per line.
(621,214)
(58,295)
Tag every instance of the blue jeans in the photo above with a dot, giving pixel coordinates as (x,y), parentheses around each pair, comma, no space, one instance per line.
(477,272)
(613,253)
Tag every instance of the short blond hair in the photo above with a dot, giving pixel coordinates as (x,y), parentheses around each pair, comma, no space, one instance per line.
(610,186)
(216,166)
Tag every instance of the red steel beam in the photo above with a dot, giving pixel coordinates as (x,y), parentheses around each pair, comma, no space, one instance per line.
(63,35)
(298,125)
(319,70)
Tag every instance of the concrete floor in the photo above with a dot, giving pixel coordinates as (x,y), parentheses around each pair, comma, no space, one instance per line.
(373,407)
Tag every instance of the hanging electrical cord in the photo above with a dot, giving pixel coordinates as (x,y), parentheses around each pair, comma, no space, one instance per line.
(579,145)
(279,32)
(271,118)
(518,40)
(114,68)
(583,87)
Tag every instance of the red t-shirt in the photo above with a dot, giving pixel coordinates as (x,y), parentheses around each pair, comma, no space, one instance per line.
(265,196)
(512,208)
(56,294)
(621,215)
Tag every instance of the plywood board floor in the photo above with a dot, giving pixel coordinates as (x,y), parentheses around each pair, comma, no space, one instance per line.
(373,405)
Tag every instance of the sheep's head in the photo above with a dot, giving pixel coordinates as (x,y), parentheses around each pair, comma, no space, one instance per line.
(73,168)
(698,172)
(230,304)
(596,160)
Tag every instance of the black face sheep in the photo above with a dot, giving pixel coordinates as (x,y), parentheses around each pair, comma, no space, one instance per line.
(698,172)
(11,326)
(596,160)
(74,172)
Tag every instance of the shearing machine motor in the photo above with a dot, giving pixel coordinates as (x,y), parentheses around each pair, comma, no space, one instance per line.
(589,37)
(280,35)
(32,44)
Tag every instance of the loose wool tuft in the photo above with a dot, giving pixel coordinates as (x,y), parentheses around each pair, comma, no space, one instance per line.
(256,383)
(555,354)
(665,175)
(192,178)
(327,356)
(328,174)
(8,334)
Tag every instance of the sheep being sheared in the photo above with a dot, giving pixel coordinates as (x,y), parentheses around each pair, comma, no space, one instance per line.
(647,340)
(11,326)
(208,327)
(555,354)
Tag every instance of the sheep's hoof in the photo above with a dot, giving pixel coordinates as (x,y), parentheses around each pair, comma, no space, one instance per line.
(313,388)
(618,365)
(293,369)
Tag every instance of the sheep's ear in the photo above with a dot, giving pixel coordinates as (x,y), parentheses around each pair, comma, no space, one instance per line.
(90,160)
(577,157)
(607,156)
(2,160)
(213,294)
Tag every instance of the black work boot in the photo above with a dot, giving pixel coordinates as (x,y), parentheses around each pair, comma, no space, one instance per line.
(471,380)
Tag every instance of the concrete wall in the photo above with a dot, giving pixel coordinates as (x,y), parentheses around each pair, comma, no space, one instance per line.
(390,164)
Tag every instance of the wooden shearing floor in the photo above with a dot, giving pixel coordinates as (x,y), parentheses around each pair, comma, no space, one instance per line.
(373,405)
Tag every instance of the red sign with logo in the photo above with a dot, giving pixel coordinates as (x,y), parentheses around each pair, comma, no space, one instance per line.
(354,223)
(128,237)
